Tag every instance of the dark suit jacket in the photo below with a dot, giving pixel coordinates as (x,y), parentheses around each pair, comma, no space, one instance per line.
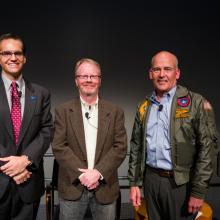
(70,149)
(34,140)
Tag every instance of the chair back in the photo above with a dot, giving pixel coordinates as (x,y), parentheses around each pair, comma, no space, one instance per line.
(205,212)
(54,181)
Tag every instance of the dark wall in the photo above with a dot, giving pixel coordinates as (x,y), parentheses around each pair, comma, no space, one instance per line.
(122,36)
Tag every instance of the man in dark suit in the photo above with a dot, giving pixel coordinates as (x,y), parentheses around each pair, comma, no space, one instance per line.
(89,144)
(25,134)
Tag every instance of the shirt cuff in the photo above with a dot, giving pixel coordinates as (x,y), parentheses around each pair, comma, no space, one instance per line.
(80,175)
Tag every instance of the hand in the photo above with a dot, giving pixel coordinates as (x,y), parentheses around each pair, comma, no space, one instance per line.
(89,178)
(14,165)
(135,196)
(194,204)
(94,186)
(22,177)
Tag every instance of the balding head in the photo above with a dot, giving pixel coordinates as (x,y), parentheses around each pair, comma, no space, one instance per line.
(167,55)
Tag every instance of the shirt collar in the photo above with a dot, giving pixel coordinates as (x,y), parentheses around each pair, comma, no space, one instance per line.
(169,95)
(7,82)
(88,106)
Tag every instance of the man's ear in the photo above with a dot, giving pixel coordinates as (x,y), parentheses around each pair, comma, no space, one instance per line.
(25,60)
(76,82)
(150,74)
(177,73)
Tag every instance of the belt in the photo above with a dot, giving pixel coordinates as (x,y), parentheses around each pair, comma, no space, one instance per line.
(162,172)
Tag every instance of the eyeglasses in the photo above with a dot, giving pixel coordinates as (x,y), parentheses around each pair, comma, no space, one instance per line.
(165,69)
(85,77)
(8,54)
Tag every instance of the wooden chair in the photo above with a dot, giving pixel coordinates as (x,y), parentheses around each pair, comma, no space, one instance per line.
(140,213)
(50,189)
(205,212)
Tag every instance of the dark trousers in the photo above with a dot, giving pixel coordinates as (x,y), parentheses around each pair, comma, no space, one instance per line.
(13,208)
(165,200)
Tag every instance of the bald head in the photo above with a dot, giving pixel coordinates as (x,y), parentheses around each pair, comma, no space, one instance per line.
(167,55)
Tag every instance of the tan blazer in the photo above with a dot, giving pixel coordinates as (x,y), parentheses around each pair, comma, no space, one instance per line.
(70,149)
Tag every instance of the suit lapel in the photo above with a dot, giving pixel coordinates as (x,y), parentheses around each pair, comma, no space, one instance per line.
(5,110)
(29,107)
(103,124)
(77,124)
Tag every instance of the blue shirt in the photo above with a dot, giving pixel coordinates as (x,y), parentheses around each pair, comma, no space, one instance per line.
(158,132)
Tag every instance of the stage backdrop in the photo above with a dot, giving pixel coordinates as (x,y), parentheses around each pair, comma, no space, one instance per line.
(122,37)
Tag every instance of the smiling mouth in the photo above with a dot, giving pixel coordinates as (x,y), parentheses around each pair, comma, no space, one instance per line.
(162,81)
(13,64)
(88,86)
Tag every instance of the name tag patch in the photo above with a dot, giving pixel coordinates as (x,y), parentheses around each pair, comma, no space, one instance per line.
(182,113)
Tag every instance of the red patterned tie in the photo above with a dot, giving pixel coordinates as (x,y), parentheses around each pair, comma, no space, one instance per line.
(15,111)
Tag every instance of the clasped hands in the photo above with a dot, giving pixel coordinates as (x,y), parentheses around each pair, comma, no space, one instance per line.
(89,178)
(15,167)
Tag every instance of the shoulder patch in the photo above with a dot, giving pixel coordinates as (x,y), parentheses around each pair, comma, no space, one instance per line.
(142,109)
(207,106)
(183,101)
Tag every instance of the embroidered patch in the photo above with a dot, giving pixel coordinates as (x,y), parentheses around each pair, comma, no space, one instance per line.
(207,106)
(183,102)
(33,98)
(142,109)
(182,113)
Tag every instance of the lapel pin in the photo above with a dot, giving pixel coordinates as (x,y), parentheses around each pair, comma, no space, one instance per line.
(33,98)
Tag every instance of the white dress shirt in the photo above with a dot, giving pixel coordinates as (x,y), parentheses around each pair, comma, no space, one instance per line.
(90,122)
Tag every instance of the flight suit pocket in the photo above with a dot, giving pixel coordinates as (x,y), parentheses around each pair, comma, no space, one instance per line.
(185,154)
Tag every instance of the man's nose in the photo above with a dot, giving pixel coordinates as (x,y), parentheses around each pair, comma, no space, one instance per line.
(13,57)
(162,73)
(89,78)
